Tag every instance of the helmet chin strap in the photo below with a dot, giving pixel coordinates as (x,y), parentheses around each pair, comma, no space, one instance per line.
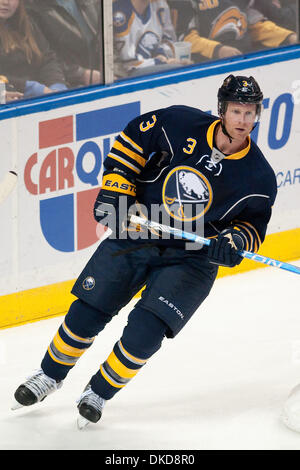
(224,130)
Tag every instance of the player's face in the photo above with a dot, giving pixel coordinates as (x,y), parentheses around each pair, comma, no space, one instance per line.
(239,119)
(8,8)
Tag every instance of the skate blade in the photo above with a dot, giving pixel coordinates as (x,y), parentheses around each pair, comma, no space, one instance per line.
(82,422)
(16,405)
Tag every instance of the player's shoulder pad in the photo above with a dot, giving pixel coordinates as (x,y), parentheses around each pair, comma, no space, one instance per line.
(264,171)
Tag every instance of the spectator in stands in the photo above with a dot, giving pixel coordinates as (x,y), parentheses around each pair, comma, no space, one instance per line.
(283,12)
(30,67)
(13,96)
(193,22)
(73,29)
(9,93)
(264,32)
(144,37)
(224,28)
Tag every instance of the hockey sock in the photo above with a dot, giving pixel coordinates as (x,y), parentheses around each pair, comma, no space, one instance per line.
(76,334)
(141,338)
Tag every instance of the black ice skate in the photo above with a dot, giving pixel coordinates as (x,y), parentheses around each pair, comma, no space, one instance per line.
(90,406)
(36,388)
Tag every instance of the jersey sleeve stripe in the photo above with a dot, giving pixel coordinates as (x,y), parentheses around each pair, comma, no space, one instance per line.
(256,232)
(124,162)
(256,238)
(248,234)
(131,142)
(129,153)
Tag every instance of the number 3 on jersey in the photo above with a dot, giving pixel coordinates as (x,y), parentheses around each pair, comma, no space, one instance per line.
(145,127)
(190,146)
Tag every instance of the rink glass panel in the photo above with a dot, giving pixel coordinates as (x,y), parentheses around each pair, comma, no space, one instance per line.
(176,18)
(194,21)
(85,62)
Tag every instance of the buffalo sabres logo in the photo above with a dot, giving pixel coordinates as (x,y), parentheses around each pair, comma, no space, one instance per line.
(88,283)
(147,44)
(231,20)
(119,19)
(187,194)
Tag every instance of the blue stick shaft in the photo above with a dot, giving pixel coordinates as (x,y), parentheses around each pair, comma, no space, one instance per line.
(204,241)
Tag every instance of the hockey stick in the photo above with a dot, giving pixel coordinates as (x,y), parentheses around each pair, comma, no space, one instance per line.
(7,185)
(204,241)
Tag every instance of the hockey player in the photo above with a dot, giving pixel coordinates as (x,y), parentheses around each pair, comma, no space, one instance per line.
(198,167)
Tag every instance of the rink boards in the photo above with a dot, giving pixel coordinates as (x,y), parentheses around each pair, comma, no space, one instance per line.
(58,147)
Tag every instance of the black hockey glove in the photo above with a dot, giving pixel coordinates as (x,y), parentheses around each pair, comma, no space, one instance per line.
(224,249)
(114,199)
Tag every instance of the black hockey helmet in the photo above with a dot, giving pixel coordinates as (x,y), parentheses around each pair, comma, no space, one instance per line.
(241,89)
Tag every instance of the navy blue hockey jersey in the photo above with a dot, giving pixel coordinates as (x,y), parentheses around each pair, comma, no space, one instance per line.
(169,154)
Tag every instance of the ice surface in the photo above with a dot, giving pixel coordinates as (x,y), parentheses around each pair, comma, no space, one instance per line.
(219,385)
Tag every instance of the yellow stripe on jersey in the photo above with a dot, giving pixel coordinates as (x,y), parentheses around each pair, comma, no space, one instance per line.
(257,239)
(129,153)
(244,236)
(120,368)
(242,226)
(201,45)
(124,162)
(130,141)
(256,232)
(268,33)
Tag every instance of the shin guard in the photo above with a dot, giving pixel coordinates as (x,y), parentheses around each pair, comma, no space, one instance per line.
(73,338)
(141,338)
